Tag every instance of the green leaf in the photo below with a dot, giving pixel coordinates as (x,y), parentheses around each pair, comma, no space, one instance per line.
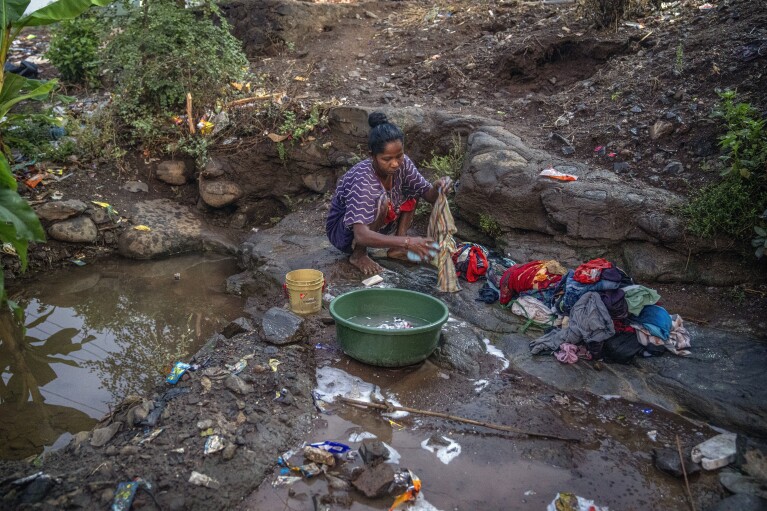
(757,242)
(12,10)
(14,84)
(58,11)
(759,252)
(760,231)
(6,176)
(18,222)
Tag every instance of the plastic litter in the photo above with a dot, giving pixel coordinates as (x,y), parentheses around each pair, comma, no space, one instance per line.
(285,480)
(154,434)
(434,250)
(647,411)
(178,370)
(572,502)
(395,324)
(9,249)
(273,363)
(716,452)
(213,444)
(414,488)
(238,367)
(124,496)
(555,174)
(141,228)
(310,470)
(203,480)
(446,452)
(33,181)
(652,435)
(207,432)
(332,447)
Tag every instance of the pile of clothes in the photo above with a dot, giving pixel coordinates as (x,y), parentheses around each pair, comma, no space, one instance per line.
(593,312)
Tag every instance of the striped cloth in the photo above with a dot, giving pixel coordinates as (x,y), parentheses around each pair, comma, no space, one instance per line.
(441,230)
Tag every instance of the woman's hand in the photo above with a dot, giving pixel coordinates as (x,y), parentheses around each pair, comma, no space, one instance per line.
(443,183)
(424,248)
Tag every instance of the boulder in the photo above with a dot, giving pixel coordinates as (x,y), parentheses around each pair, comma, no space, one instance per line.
(237,326)
(220,192)
(80,229)
(135,186)
(102,436)
(739,483)
(214,168)
(174,172)
(373,451)
(175,230)
(459,349)
(56,211)
(374,480)
(281,326)
(667,460)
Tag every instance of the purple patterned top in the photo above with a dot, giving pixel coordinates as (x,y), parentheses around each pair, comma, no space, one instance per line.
(360,189)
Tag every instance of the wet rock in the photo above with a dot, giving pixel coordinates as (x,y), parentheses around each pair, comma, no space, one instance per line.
(128,450)
(661,129)
(716,452)
(750,458)
(337,483)
(37,489)
(281,326)
(220,192)
(320,456)
(135,186)
(667,460)
(621,167)
(237,326)
(237,385)
(740,502)
(55,211)
(241,284)
(80,229)
(674,167)
(98,215)
(175,230)
(214,168)
(102,436)
(739,483)
(458,350)
(373,451)
(174,172)
(374,480)
(229,451)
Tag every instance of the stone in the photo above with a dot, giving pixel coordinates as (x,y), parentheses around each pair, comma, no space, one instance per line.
(98,215)
(751,458)
(55,211)
(135,186)
(371,15)
(667,460)
(240,283)
(373,451)
(316,182)
(739,483)
(374,480)
(229,451)
(237,326)
(128,450)
(214,168)
(175,230)
(220,192)
(102,436)
(281,326)
(636,109)
(80,229)
(674,167)
(661,129)
(337,483)
(205,424)
(568,150)
(37,489)
(741,502)
(458,350)
(620,167)
(174,172)
(320,456)
(716,452)
(237,385)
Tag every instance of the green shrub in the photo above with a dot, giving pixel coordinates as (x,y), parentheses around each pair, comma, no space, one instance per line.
(490,226)
(74,49)
(607,13)
(451,163)
(732,206)
(162,53)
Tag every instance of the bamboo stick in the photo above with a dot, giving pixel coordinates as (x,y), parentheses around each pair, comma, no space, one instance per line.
(684,472)
(189,117)
(490,425)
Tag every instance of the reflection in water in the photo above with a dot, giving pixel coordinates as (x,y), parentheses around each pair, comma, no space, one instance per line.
(88,339)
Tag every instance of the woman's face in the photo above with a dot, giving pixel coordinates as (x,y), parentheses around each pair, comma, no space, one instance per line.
(391,159)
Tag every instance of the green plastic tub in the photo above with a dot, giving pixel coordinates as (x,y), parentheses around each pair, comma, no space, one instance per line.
(382,347)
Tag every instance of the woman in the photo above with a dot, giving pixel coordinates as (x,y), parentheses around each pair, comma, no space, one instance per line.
(374,203)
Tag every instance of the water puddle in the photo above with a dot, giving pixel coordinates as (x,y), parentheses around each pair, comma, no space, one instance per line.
(459,469)
(93,335)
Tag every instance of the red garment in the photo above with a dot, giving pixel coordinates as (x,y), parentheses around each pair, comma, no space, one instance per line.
(408,205)
(622,327)
(391,214)
(591,272)
(522,277)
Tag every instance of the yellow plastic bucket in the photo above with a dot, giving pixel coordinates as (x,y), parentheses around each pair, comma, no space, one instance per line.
(304,290)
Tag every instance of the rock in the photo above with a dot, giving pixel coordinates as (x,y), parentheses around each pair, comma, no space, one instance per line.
(716,452)
(55,211)
(337,483)
(102,436)
(459,349)
(374,480)
(240,284)
(373,451)
(98,215)
(281,326)
(175,230)
(751,458)
(135,186)
(667,460)
(80,229)
(203,480)
(739,483)
(174,172)
(78,439)
(37,489)
(620,167)
(320,456)
(568,150)
(316,182)
(740,502)
(220,192)
(237,326)
(237,385)
(674,167)
(111,451)
(128,450)
(371,15)
(661,129)
(205,424)
(636,109)
(229,451)
(214,168)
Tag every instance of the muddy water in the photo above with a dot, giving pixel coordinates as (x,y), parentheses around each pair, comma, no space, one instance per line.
(93,335)
(478,469)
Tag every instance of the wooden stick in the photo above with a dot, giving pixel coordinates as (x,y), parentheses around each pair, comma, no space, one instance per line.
(189,117)
(684,472)
(245,101)
(490,425)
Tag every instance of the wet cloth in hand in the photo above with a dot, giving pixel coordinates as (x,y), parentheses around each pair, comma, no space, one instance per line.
(441,229)
(589,322)
(639,296)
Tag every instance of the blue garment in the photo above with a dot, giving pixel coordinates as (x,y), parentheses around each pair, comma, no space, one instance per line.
(656,320)
(574,289)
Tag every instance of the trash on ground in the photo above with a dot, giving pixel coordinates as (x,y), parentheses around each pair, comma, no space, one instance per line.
(141,228)
(203,480)
(372,281)
(555,174)
(310,470)
(124,496)
(445,448)
(716,452)
(9,249)
(285,480)
(414,488)
(395,324)
(238,367)
(178,370)
(213,444)
(273,363)
(363,435)
(572,502)
(154,434)
(77,262)
(652,435)
(331,447)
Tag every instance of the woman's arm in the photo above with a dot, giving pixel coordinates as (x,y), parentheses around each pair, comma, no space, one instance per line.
(432,193)
(369,238)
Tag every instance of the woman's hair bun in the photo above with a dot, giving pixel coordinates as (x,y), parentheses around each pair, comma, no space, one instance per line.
(377,118)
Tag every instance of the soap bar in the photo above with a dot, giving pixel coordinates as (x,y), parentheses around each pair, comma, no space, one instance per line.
(372,281)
